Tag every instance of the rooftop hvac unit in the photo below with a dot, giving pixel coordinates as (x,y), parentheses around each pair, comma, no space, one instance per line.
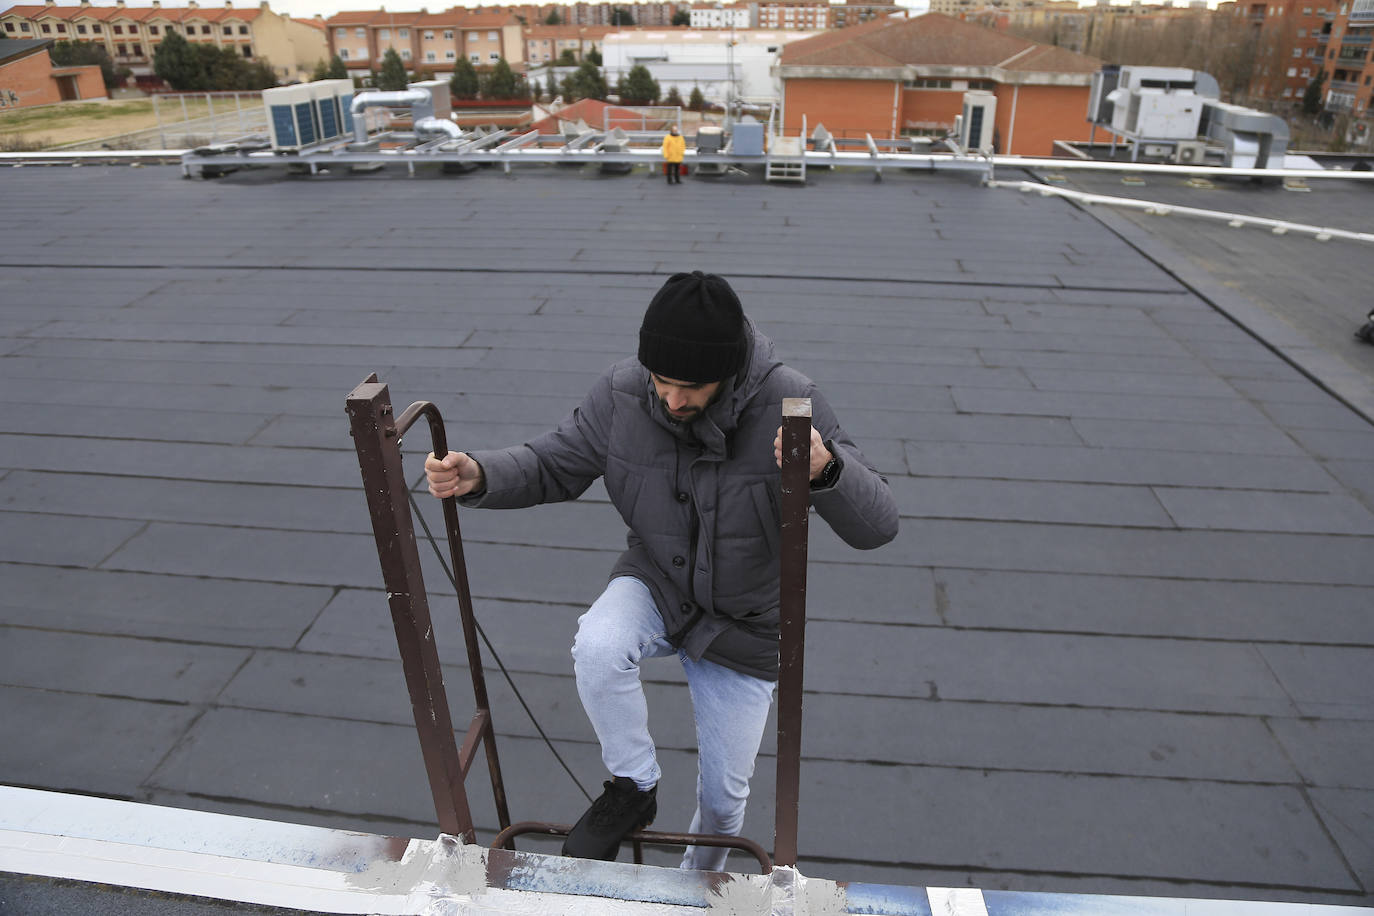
(308,113)
(1190,152)
(977,121)
(1099,104)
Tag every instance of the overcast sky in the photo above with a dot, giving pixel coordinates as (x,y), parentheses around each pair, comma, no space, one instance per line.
(308,8)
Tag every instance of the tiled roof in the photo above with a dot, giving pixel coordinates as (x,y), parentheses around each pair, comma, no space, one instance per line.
(135,13)
(931,40)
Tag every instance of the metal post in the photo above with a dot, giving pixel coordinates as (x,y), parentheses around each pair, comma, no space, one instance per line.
(214,127)
(796,500)
(379,457)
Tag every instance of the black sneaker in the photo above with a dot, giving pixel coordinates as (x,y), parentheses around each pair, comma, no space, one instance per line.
(621,810)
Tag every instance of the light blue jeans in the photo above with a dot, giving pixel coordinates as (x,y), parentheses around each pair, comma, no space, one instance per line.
(731,709)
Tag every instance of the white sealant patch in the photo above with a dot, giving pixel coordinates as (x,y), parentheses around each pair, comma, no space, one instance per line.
(740,895)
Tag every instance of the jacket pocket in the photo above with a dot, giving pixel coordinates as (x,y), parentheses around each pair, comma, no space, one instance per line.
(770,518)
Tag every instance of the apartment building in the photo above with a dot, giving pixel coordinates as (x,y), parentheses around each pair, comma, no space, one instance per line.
(545,44)
(641,14)
(1348,64)
(806,15)
(1290,39)
(130,34)
(432,41)
(724,16)
(853,12)
(896,77)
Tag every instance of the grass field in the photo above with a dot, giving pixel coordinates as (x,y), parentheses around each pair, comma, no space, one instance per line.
(71,122)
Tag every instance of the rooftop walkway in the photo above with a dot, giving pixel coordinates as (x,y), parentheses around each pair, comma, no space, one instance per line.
(1123,644)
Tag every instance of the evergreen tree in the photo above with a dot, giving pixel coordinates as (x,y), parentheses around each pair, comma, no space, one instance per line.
(621,16)
(586,82)
(83,54)
(499,83)
(321,71)
(177,64)
(594,56)
(639,86)
(551,86)
(552,18)
(682,17)
(1312,95)
(393,75)
(673,98)
(696,101)
(464,83)
(337,69)
(260,75)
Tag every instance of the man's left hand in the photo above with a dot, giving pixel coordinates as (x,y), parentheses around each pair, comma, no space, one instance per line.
(820,455)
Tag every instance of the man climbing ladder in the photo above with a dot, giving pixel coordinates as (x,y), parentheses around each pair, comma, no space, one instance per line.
(681,435)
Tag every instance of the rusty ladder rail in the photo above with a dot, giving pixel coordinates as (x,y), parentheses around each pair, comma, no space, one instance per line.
(376,438)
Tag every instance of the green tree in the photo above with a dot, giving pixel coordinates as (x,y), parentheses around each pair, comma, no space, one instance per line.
(552,18)
(673,97)
(260,75)
(321,71)
(639,86)
(568,58)
(177,63)
(393,75)
(464,83)
(594,56)
(587,82)
(551,86)
(1312,95)
(621,16)
(499,82)
(682,17)
(84,54)
(696,101)
(337,69)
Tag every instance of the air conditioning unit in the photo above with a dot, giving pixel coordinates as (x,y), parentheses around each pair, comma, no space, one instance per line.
(977,121)
(308,113)
(1190,152)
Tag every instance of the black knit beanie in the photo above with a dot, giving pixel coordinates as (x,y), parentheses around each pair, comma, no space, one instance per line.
(693,330)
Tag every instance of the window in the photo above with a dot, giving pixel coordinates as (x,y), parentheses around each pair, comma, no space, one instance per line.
(360,32)
(1306,72)
(153,30)
(404,33)
(122,50)
(95,28)
(450,55)
(61,29)
(472,36)
(494,56)
(405,54)
(1288,93)
(475,58)
(1302,33)
(80,29)
(47,29)
(1297,52)
(429,36)
(384,33)
(133,30)
(492,36)
(430,57)
(341,33)
(448,34)
(228,30)
(247,50)
(343,54)
(23,27)
(1292,71)
(118,30)
(243,30)
(205,30)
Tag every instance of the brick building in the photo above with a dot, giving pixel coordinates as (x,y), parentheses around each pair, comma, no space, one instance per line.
(1348,63)
(545,44)
(432,41)
(906,77)
(28,77)
(130,34)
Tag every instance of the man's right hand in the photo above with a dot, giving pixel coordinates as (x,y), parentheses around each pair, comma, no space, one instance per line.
(456,475)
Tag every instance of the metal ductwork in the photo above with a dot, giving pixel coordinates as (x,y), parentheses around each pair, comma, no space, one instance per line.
(428,102)
(1252,139)
(438,126)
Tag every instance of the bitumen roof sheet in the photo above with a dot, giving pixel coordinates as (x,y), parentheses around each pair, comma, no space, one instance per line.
(1123,643)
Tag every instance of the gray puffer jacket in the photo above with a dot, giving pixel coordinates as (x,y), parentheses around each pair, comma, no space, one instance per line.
(701,499)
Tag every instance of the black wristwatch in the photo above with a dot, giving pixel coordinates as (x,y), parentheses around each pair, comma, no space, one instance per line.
(831,472)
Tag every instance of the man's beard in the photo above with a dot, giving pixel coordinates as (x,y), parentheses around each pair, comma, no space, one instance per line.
(691,413)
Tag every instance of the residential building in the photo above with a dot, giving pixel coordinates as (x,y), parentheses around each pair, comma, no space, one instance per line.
(1349,65)
(28,77)
(806,15)
(641,14)
(130,34)
(1290,40)
(724,16)
(853,12)
(431,41)
(907,77)
(545,44)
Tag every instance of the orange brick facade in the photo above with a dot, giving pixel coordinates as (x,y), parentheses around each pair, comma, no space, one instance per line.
(32,80)
(850,108)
